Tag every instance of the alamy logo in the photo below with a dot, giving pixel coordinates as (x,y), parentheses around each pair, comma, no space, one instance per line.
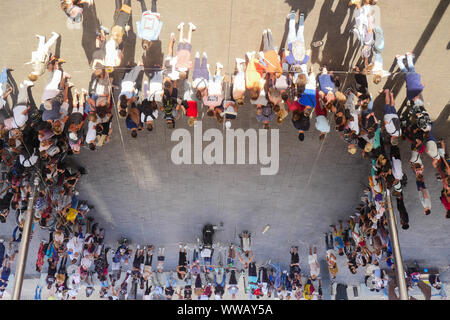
(213,153)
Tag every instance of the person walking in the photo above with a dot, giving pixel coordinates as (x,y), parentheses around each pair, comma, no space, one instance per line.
(414,85)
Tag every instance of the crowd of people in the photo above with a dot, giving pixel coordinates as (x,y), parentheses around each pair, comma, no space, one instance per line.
(36,140)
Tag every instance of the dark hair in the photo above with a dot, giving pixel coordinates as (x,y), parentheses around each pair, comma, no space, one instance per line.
(134,133)
(14,204)
(123,101)
(153,105)
(427,212)
(341,253)
(92,146)
(284,96)
(210,112)
(198,94)
(123,113)
(167,84)
(98,128)
(301,136)
(296,115)
(254,93)
(405,226)
(276,108)
(150,127)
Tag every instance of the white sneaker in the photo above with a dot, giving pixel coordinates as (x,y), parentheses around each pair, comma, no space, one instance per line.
(292,13)
(180,26)
(28,83)
(55,34)
(172,35)
(197,54)
(193,27)
(219,65)
(269,31)
(204,54)
(239,60)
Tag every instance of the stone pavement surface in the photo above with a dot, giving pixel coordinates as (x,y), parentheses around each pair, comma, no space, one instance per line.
(138,192)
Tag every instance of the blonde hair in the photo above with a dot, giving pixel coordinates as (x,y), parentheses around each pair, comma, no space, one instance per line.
(301,80)
(352,149)
(182,75)
(368,147)
(240,101)
(117,33)
(254,93)
(376,78)
(340,97)
(191,121)
(32,77)
(93,117)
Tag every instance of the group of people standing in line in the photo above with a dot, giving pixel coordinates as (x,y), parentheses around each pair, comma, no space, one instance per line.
(37,140)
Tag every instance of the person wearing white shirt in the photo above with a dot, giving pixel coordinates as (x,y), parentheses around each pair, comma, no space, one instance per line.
(128,90)
(313,263)
(239,82)
(74,247)
(41,56)
(261,100)
(149,108)
(20,111)
(391,119)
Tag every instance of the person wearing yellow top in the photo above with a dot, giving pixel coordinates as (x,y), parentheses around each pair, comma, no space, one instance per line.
(270,58)
(253,75)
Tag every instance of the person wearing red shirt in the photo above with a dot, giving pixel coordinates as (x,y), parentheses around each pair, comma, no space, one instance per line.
(191,111)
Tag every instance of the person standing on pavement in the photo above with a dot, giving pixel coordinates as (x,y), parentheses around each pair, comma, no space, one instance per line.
(414,85)
(129,90)
(41,57)
(313,263)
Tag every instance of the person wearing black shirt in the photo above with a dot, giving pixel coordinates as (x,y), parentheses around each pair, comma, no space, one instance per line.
(219,288)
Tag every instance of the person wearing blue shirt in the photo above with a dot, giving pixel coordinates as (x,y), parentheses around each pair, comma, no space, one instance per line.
(4,276)
(296,42)
(414,85)
(338,238)
(150,25)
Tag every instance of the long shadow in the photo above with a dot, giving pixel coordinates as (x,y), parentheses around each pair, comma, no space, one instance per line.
(11,101)
(153,57)
(442,123)
(395,82)
(13,84)
(338,48)
(90,26)
(58,47)
(304,7)
(129,44)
